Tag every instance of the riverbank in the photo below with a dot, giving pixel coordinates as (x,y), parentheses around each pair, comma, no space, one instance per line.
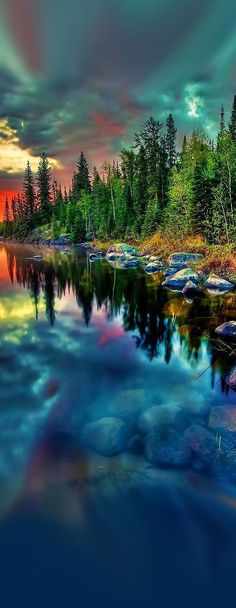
(220,258)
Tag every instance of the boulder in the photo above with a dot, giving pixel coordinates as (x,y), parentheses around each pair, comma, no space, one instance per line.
(217,283)
(123,264)
(201,440)
(190,289)
(178,280)
(223,418)
(176,259)
(156,417)
(153,267)
(121,250)
(167,448)
(96,256)
(173,269)
(231,379)
(227,330)
(107,436)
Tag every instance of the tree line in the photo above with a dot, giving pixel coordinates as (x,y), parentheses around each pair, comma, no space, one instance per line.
(151,187)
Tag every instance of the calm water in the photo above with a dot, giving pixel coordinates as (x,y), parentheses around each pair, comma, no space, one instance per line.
(81,341)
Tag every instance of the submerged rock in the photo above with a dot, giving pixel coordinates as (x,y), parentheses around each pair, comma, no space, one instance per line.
(176,259)
(201,440)
(178,280)
(214,282)
(223,418)
(153,267)
(227,329)
(173,269)
(231,379)
(107,436)
(167,448)
(156,417)
(191,289)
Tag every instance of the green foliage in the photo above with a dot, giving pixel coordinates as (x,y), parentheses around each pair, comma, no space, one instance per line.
(151,188)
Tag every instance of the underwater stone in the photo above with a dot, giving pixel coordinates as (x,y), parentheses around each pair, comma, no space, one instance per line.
(231,379)
(107,436)
(157,416)
(227,329)
(223,418)
(201,440)
(121,249)
(167,448)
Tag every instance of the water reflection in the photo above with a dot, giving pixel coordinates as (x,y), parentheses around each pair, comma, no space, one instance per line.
(80,342)
(152,313)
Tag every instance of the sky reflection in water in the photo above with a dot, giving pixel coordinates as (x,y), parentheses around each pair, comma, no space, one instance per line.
(79,342)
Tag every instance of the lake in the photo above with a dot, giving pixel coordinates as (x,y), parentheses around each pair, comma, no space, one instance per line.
(117,484)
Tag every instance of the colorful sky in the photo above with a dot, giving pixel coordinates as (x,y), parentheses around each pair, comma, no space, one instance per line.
(85,75)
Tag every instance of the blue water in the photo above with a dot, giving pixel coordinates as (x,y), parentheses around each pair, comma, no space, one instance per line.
(80,342)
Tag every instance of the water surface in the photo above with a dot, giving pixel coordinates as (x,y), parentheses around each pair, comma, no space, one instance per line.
(81,341)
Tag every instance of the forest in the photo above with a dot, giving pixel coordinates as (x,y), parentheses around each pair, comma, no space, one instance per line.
(153,187)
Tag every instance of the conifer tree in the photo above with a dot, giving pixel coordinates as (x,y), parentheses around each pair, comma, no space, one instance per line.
(81,180)
(170,141)
(29,191)
(232,124)
(44,188)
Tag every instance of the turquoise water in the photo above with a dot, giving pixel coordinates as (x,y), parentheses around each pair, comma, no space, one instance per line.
(80,342)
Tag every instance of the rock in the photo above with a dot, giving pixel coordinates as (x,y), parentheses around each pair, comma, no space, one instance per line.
(223,418)
(121,250)
(107,436)
(173,269)
(231,379)
(97,255)
(217,283)
(153,267)
(123,264)
(154,258)
(178,280)
(201,440)
(167,448)
(190,289)
(176,259)
(156,417)
(227,330)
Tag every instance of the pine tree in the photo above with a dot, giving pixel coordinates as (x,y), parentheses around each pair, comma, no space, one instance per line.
(6,213)
(29,191)
(232,124)
(140,188)
(222,120)
(171,141)
(44,188)
(81,180)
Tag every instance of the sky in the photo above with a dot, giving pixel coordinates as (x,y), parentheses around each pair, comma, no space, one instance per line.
(78,75)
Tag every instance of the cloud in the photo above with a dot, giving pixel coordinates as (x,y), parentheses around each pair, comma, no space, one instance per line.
(13,158)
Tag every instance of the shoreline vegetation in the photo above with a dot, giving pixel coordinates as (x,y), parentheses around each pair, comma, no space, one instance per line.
(155,197)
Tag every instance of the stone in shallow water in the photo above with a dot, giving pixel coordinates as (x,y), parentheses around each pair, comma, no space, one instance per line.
(107,436)
(201,440)
(157,416)
(153,267)
(231,379)
(176,259)
(178,280)
(121,249)
(217,283)
(223,418)
(123,264)
(173,269)
(167,448)
(190,289)
(227,329)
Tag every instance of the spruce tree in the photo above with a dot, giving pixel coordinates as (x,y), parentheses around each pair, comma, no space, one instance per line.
(222,120)
(29,191)
(44,188)
(232,124)
(81,180)
(171,141)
